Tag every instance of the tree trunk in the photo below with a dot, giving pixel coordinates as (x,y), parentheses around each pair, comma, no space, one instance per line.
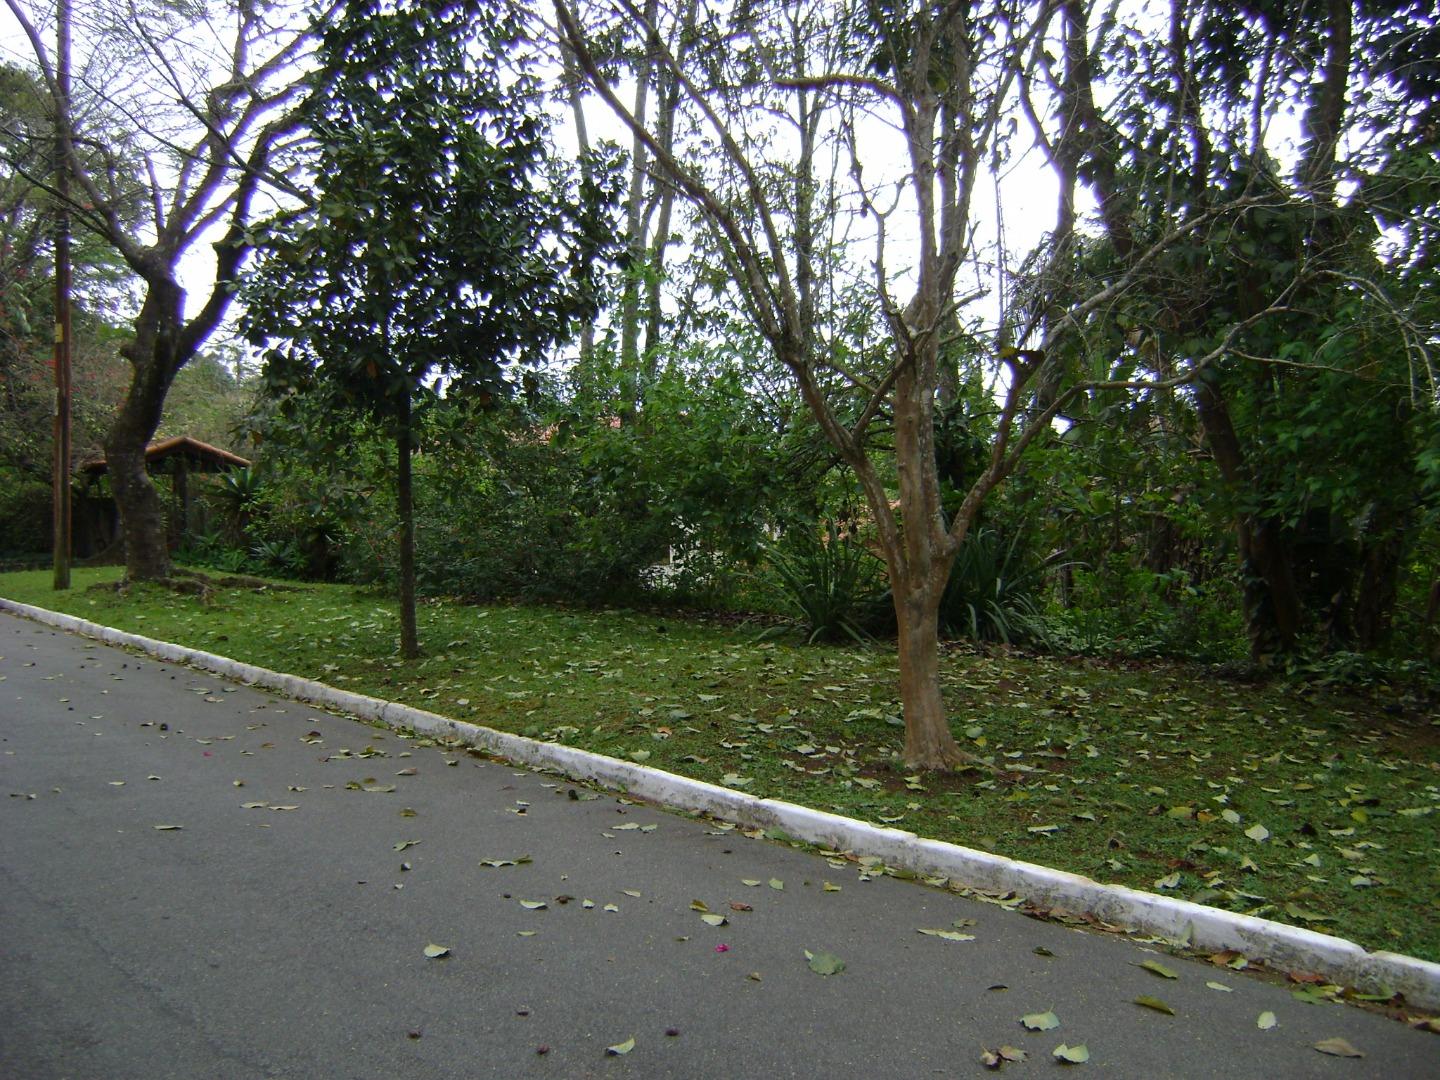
(1379,581)
(154,359)
(405,508)
(575,80)
(918,561)
(1272,602)
(142,516)
(928,741)
(635,228)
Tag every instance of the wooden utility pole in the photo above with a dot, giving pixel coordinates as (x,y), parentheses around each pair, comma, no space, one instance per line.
(61,470)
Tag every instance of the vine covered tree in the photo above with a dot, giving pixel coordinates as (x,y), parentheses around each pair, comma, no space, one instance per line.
(1316,416)
(442,241)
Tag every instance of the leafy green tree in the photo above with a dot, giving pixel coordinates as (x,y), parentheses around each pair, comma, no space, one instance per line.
(211,398)
(443,242)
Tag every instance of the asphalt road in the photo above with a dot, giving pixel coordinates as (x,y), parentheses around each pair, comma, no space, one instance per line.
(280,930)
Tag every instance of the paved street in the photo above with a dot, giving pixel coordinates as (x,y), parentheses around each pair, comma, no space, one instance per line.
(198,880)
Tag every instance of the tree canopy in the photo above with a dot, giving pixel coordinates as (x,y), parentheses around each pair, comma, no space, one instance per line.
(443,241)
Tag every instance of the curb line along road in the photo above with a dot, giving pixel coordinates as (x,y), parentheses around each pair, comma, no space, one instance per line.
(1283,947)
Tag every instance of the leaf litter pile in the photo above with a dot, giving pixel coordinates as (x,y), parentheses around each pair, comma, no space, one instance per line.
(1289,803)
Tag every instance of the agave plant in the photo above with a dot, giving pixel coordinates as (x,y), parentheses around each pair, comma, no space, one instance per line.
(991,592)
(829,583)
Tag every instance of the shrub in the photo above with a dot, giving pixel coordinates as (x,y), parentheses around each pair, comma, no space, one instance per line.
(1140,613)
(990,594)
(24,517)
(830,584)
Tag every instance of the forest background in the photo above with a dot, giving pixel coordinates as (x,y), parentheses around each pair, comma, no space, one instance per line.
(1197,418)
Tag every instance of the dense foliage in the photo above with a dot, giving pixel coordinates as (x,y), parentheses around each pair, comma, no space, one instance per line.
(442,242)
(1226,367)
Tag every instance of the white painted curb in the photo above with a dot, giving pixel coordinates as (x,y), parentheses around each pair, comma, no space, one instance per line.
(1287,948)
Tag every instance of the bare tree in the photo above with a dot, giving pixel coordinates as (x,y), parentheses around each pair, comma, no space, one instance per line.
(774,89)
(891,113)
(192,99)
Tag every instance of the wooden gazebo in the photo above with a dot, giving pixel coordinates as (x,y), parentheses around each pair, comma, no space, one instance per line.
(176,458)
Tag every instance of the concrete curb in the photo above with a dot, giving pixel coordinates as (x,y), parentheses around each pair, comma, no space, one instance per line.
(1288,948)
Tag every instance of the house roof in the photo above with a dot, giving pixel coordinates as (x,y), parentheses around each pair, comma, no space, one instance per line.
(198,456)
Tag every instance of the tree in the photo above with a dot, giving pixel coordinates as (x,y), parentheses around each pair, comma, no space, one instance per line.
(832,75)
(1325,388)
(442,242)
(191,99)
(761,212)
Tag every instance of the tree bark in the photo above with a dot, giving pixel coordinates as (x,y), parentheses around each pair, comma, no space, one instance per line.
(929,743)
(575,80)
(405,508)
(919,566)
(635,225)
(155,356)
(1272,601)
(668,104)
(1379,582)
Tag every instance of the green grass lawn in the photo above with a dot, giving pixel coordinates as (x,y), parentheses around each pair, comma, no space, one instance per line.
(1291,804)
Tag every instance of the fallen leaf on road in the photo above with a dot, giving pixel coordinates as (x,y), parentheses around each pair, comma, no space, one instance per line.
(1154,1003)
(824,963)
(435,952)
(1157,968)
(993,1059)
(714,920)
(1338,1048)
(1045,1021)
(1266,1020)
(533,905)
(777,884)
(1072,1055)
(621,1048)
(404,844)
(167,828)
(948,935)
